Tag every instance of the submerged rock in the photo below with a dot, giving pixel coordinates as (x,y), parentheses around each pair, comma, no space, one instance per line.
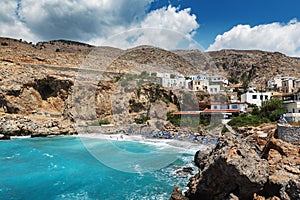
(177,194)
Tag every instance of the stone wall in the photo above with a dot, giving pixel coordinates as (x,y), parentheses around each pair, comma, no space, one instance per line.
(289,134)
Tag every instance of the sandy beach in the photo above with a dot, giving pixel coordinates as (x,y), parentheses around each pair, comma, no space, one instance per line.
(187,146)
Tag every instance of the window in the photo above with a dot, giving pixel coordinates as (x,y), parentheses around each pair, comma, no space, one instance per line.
(215,107)
(254,96)
(261,97)
(266,97)
(234,106)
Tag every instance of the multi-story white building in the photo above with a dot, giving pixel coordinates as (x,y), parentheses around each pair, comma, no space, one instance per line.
(214,88)
(275,82)
(255,97)
(288,85)
(284,84)
(171,80)
(214,79)
(291,103)
(198,85)
(205,82)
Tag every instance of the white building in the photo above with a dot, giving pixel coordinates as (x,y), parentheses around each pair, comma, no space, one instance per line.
(288,85)
(275,82)
(242,107)
(198,85)
(255,97)
(214,88)
(210,83)
(292,105)
(171,80)
(215,79)
(284,84)
(292,102)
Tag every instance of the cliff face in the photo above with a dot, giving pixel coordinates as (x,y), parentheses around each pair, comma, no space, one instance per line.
(237,169)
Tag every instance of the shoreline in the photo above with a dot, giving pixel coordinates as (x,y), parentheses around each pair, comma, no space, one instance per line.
(189,146)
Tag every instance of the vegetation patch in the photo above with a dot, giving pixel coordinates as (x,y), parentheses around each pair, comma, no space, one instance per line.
(100,122)
(142,119)
(248,120)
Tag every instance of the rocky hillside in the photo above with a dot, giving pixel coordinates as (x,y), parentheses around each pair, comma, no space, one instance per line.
(256,66)
(39,81)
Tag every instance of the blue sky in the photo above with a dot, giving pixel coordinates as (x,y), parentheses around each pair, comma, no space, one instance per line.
(214,24)
(218,16)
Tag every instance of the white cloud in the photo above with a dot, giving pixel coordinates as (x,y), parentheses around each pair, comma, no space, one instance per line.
(168,28)
(173,19)
(92,20)
(269,37)
(10,25)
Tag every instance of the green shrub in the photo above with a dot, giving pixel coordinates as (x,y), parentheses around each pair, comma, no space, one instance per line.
(175,120)
(248,120)
(272,109)
(141,120)
(224,129)
(100,122)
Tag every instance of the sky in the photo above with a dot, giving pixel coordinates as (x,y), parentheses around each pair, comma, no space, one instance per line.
(270,25)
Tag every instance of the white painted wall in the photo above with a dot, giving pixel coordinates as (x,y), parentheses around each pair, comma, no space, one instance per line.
(255,97)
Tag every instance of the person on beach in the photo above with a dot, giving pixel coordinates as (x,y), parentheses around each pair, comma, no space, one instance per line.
(282,119)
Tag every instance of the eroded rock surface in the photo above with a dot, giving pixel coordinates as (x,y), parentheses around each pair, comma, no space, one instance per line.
(237,169)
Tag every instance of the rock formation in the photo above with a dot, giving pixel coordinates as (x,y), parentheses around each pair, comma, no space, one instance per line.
(237,169)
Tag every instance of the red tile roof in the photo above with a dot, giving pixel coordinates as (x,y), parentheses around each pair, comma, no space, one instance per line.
(221,111)
(187,113)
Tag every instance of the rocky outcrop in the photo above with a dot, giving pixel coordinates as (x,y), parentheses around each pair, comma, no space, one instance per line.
(177,194)
(13,125)
(236,169)
(232,167)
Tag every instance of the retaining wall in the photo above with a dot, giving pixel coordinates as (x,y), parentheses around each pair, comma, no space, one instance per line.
(289,134)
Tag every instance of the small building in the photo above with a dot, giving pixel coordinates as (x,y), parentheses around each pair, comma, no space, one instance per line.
(214,79)
(242,107)
(198,85)
(224,113)
(288,85)
(255,97)
(214,88)
(171,80)
(275,83)
(292,102)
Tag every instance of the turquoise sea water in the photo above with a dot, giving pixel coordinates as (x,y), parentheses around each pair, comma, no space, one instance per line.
(63,168)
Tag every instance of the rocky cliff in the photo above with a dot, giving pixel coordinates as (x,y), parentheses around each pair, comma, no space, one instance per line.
(238,169)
